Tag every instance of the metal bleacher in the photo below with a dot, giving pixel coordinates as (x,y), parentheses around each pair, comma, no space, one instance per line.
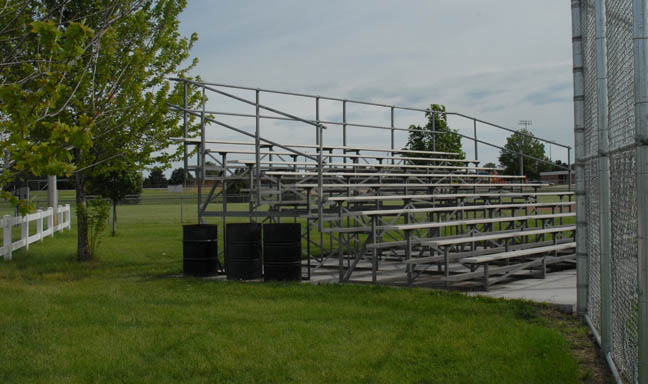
(380,215)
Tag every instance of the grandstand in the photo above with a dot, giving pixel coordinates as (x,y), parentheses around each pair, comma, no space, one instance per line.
(381,215)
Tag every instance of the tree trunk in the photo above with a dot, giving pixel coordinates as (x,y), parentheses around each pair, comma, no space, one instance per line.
(114,232)
(83,251)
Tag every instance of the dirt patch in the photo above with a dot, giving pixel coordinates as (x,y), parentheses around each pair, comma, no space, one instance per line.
(582,345)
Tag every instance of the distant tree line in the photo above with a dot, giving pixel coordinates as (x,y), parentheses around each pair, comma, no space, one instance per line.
(436,135)
(157,178)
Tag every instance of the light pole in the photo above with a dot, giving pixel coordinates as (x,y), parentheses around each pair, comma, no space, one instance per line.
(526,123)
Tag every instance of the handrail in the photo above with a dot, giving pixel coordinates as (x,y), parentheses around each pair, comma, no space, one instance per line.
(365,103)
(207,116)
(504,128)
(194,113)
(202,85)
(396,129)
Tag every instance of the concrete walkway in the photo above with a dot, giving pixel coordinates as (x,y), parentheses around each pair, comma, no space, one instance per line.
(557,289)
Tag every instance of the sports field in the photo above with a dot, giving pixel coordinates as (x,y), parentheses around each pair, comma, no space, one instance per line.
(129,317)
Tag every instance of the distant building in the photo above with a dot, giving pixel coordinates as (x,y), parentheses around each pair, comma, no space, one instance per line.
(557,177)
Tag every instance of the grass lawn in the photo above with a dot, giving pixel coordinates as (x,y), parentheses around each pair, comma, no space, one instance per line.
(129,317)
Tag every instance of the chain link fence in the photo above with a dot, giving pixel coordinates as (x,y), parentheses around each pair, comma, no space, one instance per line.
(591,162)
(177,207)
(624,263)
(623,207)
(617,136)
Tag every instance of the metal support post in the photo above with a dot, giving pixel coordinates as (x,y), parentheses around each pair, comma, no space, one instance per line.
(317,117)
(642,219)
(433,131)
(521,164)
(604,178)
(408,254)
(392,135)
(257,148)
(200,161)
(475,137)
(374,240)
(251,180)
(341,244)
(308,230)
(582,262)
(640,34)
(320,176)
(344,129)
(408,241)
(224,186)
(569,170)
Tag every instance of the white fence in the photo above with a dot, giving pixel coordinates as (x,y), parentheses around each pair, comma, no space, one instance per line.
(44,227)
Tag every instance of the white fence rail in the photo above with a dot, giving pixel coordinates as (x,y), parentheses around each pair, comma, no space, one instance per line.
(44,227)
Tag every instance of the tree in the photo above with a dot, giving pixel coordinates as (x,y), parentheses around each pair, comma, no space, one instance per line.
(524,142)
(115,185)
(103,100)
(156,179)
(38,57)
(490,165)
(178,177)
(425,138)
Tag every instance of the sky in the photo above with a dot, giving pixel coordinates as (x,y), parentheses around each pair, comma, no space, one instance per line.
(500,61)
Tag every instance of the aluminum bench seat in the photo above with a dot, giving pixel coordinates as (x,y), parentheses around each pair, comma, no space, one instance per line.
(438,242)
(344,155)
(441,224)
(394,212)
(444,195)
(419,185)
(505,271)
(324,147)
(468,222)
(518,253)
(457,176)
(370,165)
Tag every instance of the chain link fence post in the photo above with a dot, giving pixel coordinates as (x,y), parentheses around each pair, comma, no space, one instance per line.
(579,149)
(604,175)
(640,38)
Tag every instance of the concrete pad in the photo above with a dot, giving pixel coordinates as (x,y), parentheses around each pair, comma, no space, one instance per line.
(557,289)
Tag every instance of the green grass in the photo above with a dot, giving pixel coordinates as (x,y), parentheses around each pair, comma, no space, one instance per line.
(165,330)
(129,317)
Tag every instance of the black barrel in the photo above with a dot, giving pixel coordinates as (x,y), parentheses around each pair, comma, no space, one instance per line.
(200,249)
(282,252)
(243,251)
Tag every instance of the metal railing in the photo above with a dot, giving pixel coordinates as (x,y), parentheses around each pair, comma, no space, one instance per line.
(208,116)
(257,137)
(345,123)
